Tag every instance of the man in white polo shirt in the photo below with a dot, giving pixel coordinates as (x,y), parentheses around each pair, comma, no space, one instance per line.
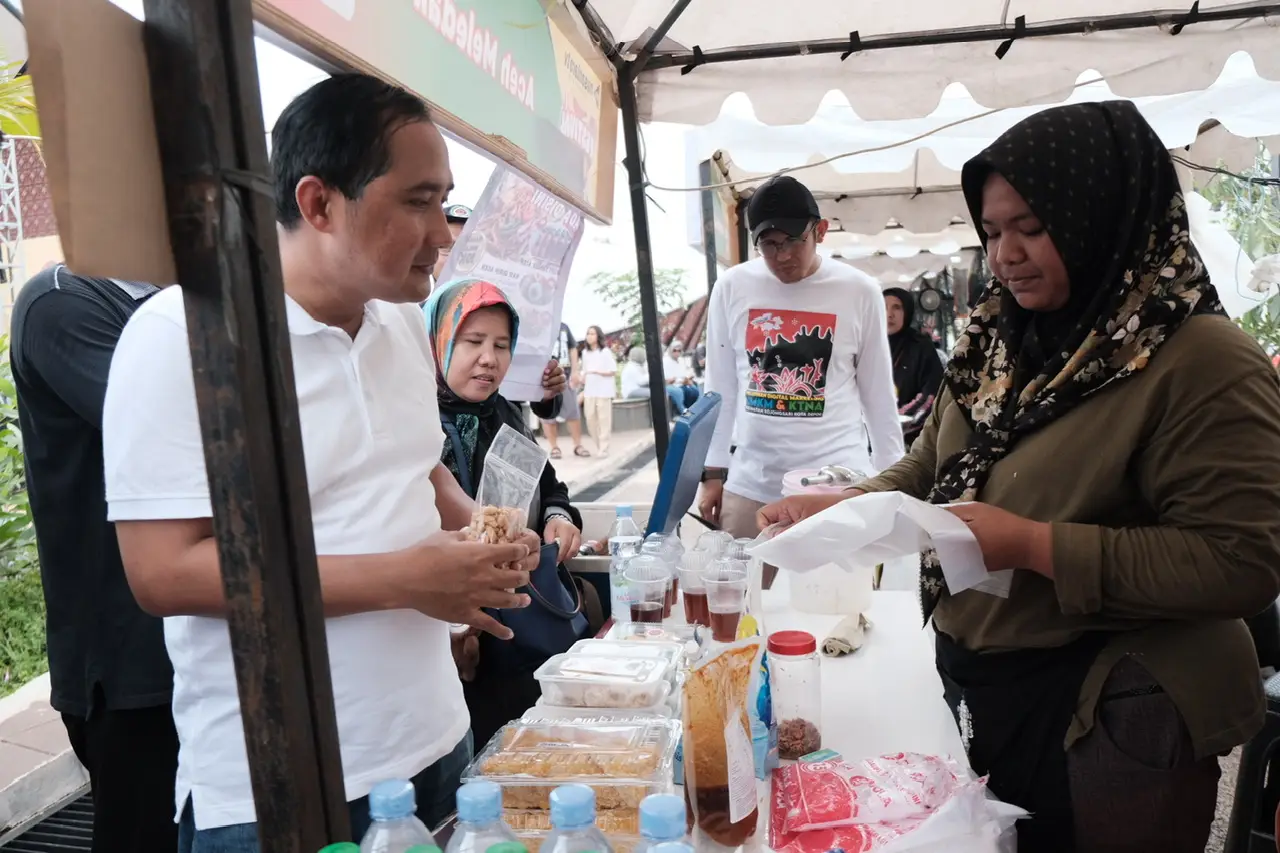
(360,173)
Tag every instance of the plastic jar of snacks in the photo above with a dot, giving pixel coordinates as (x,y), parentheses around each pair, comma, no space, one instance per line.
(796,682)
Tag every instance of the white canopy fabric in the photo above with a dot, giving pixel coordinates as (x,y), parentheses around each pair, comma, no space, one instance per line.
(900,272)
(915,178)
(908,81)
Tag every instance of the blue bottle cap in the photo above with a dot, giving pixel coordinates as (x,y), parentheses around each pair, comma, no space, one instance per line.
(479,802)
(623,511)
(573,807)
(392,799)
(662,817)
(671,847)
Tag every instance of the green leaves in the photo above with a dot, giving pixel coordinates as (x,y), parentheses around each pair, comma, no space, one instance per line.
(17,103)
(1251,212)
(22,610)
(621,291)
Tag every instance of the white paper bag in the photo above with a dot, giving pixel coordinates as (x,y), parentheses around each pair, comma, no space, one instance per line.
(876,528)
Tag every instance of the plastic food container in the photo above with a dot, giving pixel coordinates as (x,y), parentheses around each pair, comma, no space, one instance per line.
(663,708)
(595,681)
(692,637)
(672,653)
(622,760)
(795,679)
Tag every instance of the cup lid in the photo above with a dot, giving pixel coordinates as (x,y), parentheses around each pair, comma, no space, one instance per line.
(792,643)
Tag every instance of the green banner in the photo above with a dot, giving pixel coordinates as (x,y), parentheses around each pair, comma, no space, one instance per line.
(501,66)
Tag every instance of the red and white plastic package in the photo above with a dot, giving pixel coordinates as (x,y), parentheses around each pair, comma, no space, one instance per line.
(964,819)
(834,792)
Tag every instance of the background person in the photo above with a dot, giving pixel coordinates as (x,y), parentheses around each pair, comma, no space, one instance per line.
(566,355)
(599,369)
(1130,480)
(360,175)
(110,676)
(473,331)
(796,346)
(680,388)
(917,370)
(456,215)
(635,375)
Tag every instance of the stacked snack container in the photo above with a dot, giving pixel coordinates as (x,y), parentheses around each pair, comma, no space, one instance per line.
(622,760)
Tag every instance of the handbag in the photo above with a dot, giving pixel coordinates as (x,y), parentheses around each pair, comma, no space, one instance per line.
(554,619)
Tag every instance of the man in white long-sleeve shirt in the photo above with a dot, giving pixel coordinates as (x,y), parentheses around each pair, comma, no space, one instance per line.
(797,347)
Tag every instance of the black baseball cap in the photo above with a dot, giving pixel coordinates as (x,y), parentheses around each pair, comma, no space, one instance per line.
(457,212)
(782,203)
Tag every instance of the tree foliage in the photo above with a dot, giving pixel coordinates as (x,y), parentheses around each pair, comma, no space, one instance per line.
(1251,212)
(22,628)
(621,291)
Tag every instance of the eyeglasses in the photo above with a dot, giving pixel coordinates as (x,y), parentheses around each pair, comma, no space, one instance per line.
(771,248)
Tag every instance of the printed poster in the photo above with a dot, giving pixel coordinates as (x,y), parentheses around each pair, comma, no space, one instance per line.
(523,239)
(789,353)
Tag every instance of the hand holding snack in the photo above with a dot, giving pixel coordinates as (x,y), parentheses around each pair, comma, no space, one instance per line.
(452,578)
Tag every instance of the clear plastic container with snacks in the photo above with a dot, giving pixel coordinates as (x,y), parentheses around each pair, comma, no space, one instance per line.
(666,709)
(595,681)
(671,652)
(692,637)
(796,682)
(624,761)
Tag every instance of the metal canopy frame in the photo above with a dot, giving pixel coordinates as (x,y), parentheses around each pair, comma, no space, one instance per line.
(647,59)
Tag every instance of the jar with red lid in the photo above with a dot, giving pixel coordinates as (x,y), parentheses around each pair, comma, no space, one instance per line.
(795,679)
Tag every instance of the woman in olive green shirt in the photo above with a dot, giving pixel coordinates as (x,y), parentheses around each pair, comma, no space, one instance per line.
(1116,440)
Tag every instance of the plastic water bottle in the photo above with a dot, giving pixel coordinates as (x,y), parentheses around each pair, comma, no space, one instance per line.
(624,543)
(674,847)
(480,825)
(662,820)
(394,828)
(573,822)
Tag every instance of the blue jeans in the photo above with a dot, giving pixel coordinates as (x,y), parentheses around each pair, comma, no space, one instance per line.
(436,788)
(682,397)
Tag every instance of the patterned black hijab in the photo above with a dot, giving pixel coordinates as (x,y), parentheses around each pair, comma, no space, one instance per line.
(1104,187)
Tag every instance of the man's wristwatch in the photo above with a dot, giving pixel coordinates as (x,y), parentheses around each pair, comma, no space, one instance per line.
(714,475)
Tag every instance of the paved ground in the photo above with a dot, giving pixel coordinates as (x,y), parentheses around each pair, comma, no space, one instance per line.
(578,472)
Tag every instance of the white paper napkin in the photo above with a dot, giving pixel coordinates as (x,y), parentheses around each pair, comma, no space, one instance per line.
(872,529)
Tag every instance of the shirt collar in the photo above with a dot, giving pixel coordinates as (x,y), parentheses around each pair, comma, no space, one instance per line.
(302,324)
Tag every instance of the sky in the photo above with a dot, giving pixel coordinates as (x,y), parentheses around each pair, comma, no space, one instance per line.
(282,76)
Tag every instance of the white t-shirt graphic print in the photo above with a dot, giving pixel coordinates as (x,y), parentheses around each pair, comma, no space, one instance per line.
(805,373)
(789,353)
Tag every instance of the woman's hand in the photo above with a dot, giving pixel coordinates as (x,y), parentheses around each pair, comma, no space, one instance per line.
(1008,541)
(561,530)
(553,380)
(797,508)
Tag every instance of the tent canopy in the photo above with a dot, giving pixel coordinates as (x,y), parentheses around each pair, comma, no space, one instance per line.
(912,173)
(906,53)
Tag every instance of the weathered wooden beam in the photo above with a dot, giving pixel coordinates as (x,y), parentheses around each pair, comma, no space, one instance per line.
(204,87)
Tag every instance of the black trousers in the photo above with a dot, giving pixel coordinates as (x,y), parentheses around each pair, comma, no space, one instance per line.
(132,758)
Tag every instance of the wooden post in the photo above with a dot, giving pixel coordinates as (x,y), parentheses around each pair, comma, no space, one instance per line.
(221,212)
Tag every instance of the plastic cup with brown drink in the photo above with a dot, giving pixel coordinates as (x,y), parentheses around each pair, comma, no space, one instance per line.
(647,583)
(726,584)
(693,566)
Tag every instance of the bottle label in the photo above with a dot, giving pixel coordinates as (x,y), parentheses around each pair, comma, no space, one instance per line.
(619,602)
(742,771)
